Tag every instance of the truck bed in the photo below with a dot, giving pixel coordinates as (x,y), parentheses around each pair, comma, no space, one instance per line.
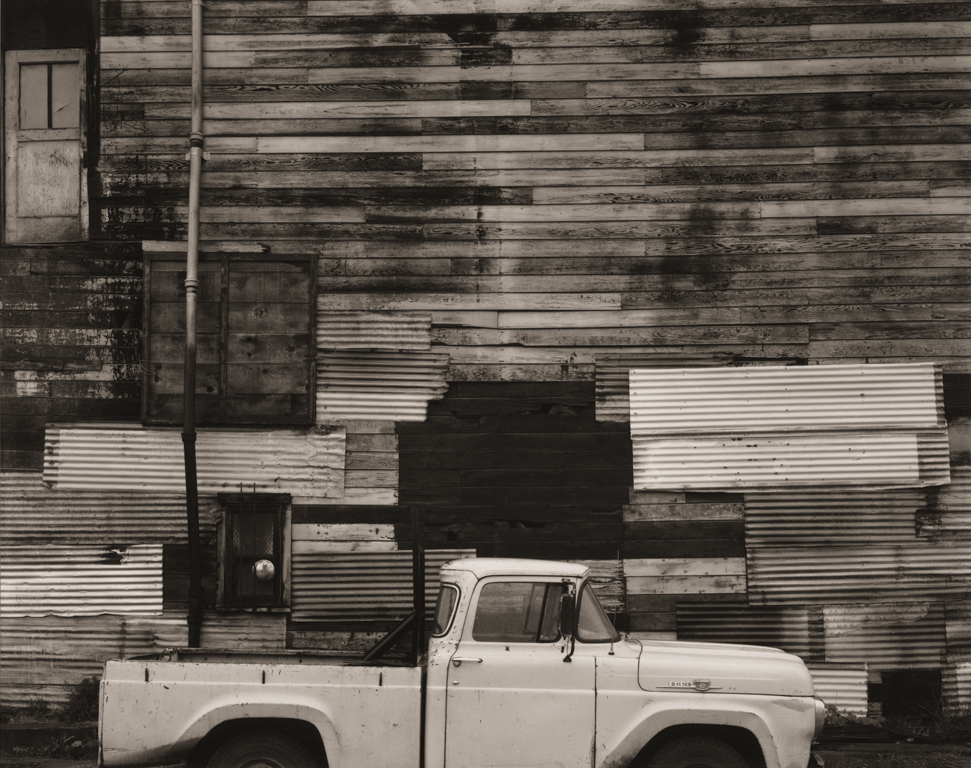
(160,707)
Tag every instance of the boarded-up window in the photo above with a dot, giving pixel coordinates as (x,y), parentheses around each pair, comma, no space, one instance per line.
(255,551)
(254,348)
(45,190)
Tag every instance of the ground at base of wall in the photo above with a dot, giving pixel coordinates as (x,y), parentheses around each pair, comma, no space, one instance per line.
(894,756)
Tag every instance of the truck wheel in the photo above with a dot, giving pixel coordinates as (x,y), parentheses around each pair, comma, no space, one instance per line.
(262,750)
(700,752)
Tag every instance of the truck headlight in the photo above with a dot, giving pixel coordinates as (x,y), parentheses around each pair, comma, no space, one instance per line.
(820,716)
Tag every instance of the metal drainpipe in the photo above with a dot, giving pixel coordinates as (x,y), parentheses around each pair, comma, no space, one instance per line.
(196,157)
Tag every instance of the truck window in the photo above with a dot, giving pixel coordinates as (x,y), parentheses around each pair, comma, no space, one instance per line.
(593,626)
(448,596)
(518,612)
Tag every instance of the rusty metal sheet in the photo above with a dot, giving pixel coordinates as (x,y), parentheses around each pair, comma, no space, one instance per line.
(379,386)
(956,685)
(613,377)
(128,457)
(796,630)
(388,331)
(892,636)
(844,686)
(861,573)
(44,580)
(838,517)
(958,624)
(786,398)
(361,586)
(247,631)
(32,512)
(946,512)
(770,460)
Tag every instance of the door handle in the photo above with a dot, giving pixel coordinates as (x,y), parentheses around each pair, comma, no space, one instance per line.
(457,661)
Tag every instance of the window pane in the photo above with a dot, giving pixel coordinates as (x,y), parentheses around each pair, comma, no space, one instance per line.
(593,626)
(65,95)
(515,612)
(447,596)
(33,96)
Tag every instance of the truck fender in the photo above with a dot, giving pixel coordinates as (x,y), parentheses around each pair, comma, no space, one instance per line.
(655,722)
(289,710)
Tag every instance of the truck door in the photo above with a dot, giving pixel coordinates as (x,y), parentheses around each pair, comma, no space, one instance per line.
(511,699)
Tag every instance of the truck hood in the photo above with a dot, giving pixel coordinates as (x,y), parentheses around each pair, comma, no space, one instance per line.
(722,668)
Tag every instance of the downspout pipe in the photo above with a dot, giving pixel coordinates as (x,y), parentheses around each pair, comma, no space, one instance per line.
(196,156)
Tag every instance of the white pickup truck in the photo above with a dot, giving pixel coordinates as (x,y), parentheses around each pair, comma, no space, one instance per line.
(523,668)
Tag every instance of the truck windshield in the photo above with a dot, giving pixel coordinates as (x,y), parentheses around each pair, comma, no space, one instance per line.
(593,626)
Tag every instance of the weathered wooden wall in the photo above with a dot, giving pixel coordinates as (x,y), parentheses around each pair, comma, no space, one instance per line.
(774,182)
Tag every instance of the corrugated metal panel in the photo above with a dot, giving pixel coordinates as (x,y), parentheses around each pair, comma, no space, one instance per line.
(956,685)
(768,460)
(791,629)
(815,575)
(80,581)
(128,457)
(887,637)
(786,398)
(389,386)
(45,657)
(958,628)
(613,377)
(843,686)
(361,586)
(394,331)
(30,511)
(947,512)
(847,516)
(879,426)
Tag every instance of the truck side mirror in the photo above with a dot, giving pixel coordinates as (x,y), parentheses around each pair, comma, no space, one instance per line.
(567,615)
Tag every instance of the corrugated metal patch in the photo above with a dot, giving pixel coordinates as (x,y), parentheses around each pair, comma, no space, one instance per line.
(862,573)
(844,686)
(128,457)
(947,511)
(956,685)
(388,386)
(770,460)
(847,516)
(786,398)
(613,377)
(392,331)
(80,581)
(32,512)
(888,637)
(361,586)
(958,628)
(878,426)
(797,630)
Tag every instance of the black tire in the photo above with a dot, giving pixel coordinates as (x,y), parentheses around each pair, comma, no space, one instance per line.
(262,750)
(700,752)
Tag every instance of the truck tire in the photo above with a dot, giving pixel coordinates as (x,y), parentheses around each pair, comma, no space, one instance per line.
(262,750)
(699,752)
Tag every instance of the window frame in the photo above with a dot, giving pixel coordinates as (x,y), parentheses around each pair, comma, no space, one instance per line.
(230,504)
(12,60)
(454,610)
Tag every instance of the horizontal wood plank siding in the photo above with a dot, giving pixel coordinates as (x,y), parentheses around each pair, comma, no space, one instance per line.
(780,180)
